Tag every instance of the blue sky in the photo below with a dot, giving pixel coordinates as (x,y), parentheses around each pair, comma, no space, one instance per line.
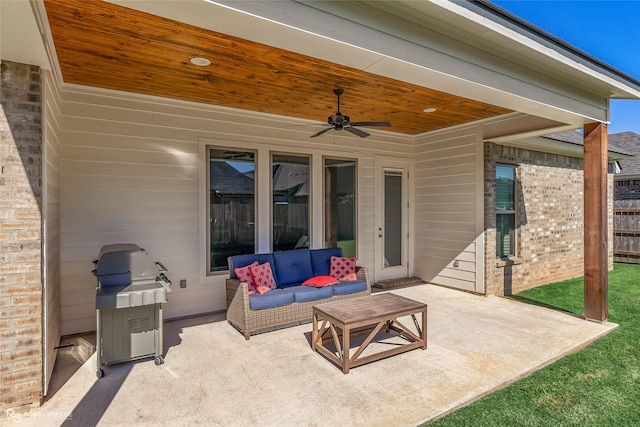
(606,29)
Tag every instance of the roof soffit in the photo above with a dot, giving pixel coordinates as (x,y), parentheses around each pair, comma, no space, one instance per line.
(371,43)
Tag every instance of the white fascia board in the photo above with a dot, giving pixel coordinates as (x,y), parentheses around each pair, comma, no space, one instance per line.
(307,30)
(620,86)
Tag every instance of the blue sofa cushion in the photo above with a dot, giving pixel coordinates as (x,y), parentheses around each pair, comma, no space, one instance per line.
(274,298)
(238,261)
(350,287)
(292,266)
(309,293)
(321,260)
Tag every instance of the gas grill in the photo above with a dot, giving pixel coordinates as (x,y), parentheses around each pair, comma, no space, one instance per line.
(129,297)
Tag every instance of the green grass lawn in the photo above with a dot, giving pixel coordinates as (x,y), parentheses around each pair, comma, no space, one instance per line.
(597,386)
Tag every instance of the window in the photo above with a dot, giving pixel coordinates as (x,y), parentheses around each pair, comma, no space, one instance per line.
(231,205)
(339,205)
(505,210)
(290,210)
(393,240)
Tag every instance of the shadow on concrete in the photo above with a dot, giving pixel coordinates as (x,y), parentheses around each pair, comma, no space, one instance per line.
(74,351)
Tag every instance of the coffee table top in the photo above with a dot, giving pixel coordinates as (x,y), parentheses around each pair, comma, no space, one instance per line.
(366,309)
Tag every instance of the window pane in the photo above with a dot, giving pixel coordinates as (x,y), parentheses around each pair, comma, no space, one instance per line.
(231,205)
(290,202)
(339,205)
(505,187)
(505,234)
(392,219)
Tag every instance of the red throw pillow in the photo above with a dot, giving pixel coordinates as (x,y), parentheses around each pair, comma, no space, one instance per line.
(350,277)
(263,278)
(244,275)
(342,266)
(320,281)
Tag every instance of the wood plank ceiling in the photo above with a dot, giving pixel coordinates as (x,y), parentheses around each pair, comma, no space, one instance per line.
(100,44)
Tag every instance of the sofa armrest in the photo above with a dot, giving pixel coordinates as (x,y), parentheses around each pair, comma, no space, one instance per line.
(362,274)
(237,303)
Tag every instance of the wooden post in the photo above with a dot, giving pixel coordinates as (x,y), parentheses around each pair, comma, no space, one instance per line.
(595,222)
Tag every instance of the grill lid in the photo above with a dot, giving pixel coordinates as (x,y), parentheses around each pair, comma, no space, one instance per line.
(128,265)
(127,277)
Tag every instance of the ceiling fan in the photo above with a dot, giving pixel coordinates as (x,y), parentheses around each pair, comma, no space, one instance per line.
(338,122)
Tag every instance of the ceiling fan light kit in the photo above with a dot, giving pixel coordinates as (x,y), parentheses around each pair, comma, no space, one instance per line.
(338,121)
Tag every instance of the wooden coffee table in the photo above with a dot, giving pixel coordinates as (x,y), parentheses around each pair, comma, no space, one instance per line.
(341,319)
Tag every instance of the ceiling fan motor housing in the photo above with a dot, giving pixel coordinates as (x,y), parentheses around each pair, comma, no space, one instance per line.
(338,120)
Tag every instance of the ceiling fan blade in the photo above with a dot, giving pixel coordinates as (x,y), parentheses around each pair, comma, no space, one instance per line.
(370,124)
(321,132)
(356,131)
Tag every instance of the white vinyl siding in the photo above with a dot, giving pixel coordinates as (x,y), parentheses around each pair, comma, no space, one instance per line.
(448,209)
(134,170)
(51,199)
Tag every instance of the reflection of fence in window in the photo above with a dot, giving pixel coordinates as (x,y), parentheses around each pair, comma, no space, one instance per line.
(290,225)
(232,223)
(340,202)
(231,205)
(291,190)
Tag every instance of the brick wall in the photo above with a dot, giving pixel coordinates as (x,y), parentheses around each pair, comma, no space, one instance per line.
(20,236)
(550,220)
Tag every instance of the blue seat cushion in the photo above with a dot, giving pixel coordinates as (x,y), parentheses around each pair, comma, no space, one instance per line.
(238,261)
(321,260)
(310,293)
(349,287)
(273,298)
(292,266)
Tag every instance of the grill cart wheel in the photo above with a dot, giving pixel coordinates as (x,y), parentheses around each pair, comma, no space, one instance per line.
(100,373)
(159,360)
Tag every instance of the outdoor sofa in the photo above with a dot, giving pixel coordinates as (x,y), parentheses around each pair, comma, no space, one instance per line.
(291,303)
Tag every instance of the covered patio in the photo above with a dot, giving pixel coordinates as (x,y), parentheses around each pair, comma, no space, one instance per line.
(119,116)
(212,376)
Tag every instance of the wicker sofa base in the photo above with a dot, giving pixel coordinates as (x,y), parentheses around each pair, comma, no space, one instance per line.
(251,322)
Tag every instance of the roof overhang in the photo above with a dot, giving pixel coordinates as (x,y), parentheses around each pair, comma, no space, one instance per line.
(469,49)
(562,147)
(456,47)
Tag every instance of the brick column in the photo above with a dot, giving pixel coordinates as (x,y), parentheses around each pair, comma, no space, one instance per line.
(21,336)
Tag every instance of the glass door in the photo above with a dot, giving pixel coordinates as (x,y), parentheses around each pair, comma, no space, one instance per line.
(391,220)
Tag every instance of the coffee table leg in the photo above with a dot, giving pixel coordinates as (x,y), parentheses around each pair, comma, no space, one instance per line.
(345,350)
(314,332)
(424,329)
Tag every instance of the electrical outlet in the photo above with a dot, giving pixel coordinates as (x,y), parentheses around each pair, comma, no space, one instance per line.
(183,283)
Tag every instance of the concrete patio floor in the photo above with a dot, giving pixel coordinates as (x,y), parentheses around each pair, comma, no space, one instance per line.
(212,376)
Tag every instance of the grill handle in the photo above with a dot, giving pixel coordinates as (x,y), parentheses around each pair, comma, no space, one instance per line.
(163,269)
(164,278)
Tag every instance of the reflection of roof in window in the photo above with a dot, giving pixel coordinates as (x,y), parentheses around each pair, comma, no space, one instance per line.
(227,180)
